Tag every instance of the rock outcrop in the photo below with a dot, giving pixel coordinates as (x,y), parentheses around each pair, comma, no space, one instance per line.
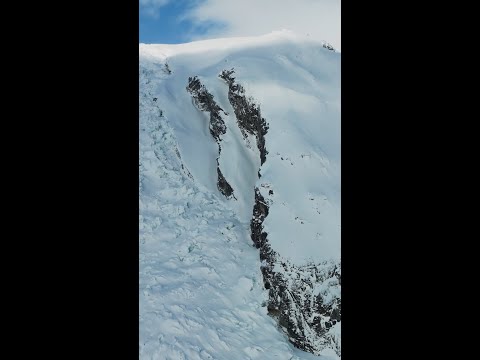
(305,300)
(204,101)
(247,113)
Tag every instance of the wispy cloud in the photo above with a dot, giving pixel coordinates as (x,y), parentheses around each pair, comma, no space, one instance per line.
(152,7)
(319,19)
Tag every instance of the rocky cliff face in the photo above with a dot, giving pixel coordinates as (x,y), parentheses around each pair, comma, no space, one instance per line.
(303,312)
(205,102)
(303,315)
(247,112)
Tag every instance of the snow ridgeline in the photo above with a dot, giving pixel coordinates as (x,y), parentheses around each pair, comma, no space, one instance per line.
(303,287)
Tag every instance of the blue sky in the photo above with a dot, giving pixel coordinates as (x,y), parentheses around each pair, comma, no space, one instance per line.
(163,24)
(179,21)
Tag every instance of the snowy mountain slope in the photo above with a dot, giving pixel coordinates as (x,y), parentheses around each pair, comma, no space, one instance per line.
(277,114)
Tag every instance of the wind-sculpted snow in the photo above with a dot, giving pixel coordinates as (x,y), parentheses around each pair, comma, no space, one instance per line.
(242,276)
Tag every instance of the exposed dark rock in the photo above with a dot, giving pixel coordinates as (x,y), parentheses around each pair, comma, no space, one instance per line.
(291,293)
(205,102)
(248,114)
(328,46)
(222,184)
(335,315)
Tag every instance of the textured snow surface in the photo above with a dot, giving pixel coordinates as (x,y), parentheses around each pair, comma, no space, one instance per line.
(201,289)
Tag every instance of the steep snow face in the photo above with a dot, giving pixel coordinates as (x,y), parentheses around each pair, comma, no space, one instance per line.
(296,82)
(202,294)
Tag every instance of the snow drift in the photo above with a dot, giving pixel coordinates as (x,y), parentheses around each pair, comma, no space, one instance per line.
(239,151)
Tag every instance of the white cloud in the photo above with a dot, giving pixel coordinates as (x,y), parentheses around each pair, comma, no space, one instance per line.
(320,19)
(151,7)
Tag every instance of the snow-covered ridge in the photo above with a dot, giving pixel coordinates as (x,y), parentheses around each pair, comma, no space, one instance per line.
(229,44)
(295,83)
